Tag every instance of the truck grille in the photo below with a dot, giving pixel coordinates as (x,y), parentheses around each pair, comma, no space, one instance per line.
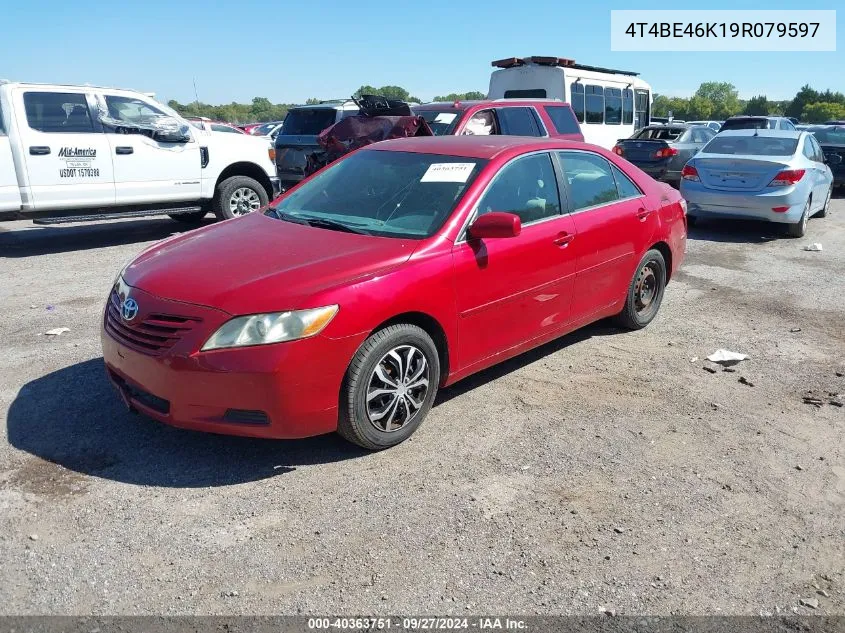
(153,334)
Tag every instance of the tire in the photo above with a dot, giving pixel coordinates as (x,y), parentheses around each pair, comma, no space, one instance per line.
(645,292)
(823,212)
(799,229)
(238,196)
(366,422)
(189,218)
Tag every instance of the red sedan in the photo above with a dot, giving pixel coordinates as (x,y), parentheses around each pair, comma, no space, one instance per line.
(403,267)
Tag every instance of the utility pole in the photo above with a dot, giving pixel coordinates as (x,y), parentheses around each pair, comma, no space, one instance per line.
(196,95)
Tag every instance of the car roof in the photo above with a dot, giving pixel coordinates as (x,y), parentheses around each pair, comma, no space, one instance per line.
(463,105)
(470,146)
(767,133)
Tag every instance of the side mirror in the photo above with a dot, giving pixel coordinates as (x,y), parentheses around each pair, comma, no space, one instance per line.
(495,224)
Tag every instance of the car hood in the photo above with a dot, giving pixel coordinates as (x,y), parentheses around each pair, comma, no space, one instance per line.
(260,264)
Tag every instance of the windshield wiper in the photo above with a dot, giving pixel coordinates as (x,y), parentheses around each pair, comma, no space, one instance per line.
(287,217)
(331,224)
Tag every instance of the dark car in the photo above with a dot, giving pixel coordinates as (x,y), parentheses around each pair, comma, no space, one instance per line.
(746,122)
(510,117)
(661,151)
(832,140)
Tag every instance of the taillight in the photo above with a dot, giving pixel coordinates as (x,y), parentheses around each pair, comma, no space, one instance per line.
(787,177)
(666,152)
(617,149)
(690,173)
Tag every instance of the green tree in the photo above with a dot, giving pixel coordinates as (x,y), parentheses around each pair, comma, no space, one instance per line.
(722,95)
(699,109)
(802,98)
(462,96)
(822,111)
(391,92)
(758,105)
(312,101)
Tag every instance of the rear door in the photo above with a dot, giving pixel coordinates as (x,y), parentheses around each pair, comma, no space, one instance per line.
(613,225)
(67,156)
(10,194)
(513,290)
(148,170)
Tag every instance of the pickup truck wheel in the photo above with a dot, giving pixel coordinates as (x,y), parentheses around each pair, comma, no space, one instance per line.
(238,196)
(189,218)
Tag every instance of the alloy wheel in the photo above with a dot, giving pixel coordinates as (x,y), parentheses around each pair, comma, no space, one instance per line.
(397,388)
(244,201)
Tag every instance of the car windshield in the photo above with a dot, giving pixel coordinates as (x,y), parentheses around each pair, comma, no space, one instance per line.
(829,135)
(660,133)
(751,146)
(308,121)
(442,122)
(392,194)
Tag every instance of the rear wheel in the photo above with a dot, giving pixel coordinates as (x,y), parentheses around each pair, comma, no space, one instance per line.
(645,293)
(389,387)
(799,229)
(238,196)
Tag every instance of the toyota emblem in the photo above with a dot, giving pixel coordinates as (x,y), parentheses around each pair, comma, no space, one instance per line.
(129,309)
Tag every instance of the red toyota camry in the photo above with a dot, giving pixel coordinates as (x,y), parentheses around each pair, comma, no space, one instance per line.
(399,269)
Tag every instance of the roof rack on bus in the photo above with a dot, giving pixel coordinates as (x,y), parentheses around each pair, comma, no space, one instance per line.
(512,62)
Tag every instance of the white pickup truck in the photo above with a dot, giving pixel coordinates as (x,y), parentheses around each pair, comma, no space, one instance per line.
(79,153)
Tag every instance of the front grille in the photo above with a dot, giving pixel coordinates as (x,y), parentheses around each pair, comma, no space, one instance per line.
(142,397)
(152,335)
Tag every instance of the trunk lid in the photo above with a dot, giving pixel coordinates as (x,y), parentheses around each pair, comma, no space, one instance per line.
(642,150)
(729,173)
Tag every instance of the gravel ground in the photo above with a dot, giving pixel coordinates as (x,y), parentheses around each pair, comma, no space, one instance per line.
(608,469)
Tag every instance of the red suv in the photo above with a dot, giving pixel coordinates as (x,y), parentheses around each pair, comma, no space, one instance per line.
(511,117)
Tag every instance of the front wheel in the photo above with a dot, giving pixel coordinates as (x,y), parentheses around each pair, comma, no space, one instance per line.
(799,229)
(389,387)
(645,292)
(238,196)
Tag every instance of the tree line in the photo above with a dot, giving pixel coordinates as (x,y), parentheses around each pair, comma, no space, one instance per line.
(718,100)
(262,109)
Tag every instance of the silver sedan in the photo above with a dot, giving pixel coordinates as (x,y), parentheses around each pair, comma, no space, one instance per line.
(774,175)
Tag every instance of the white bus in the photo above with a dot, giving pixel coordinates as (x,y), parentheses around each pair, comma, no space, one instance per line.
(609,104)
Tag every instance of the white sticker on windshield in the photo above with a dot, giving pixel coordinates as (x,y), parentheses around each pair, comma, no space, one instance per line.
(448,172)
(445,117)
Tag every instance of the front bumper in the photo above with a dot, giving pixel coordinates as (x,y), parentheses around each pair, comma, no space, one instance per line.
(755,205)
(284,390)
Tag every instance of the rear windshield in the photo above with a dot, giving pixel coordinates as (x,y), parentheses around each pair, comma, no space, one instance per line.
(308,121)
(746,124)
(442,122)
(751,146)
(660,133)
(830,135)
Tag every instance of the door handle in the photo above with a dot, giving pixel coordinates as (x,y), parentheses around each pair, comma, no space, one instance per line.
(39,150)
(642,214)
(122,151)
(563,239)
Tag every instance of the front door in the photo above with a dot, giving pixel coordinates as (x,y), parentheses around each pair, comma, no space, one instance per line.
(147,170)
(512,290)
(612,225)
(68,163)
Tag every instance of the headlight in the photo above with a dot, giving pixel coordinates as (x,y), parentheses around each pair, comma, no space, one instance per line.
(261,329)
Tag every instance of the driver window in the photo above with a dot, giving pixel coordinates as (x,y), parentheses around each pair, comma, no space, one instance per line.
(526,187)
(481,124)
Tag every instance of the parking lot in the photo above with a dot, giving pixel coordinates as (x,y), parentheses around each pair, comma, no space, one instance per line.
(606,470)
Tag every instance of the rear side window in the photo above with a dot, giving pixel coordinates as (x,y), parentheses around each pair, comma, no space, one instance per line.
(702,135)
(57,112)
(624,185)
(563,119)
(590,178)
(518,122)
(537,93)
(595,104)
(577,92)
(308,121)
(612,106)
(809,152)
